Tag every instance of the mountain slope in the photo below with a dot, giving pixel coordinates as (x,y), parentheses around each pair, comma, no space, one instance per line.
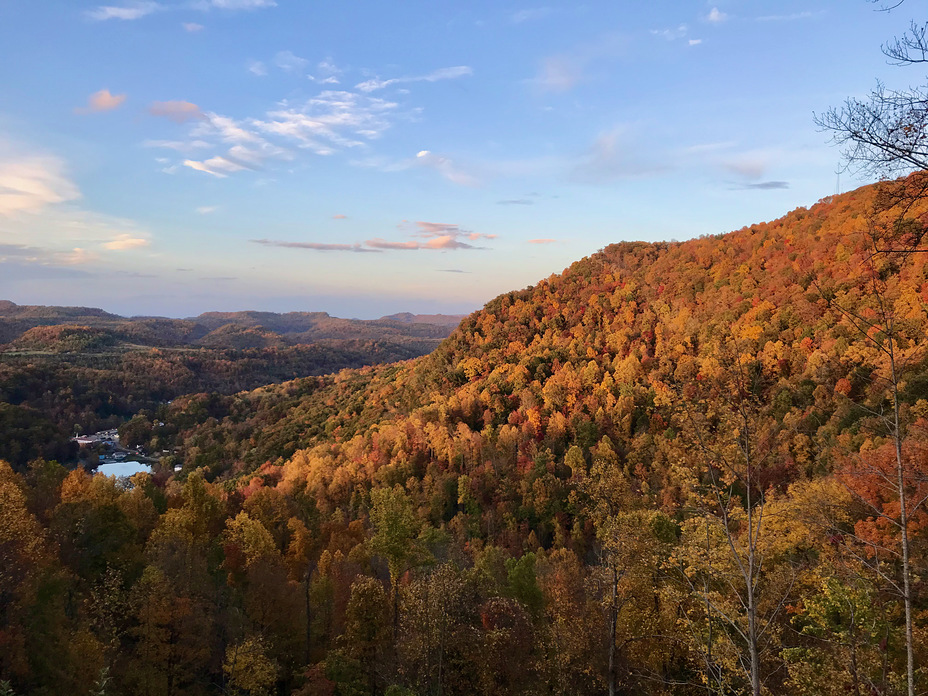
(608,482)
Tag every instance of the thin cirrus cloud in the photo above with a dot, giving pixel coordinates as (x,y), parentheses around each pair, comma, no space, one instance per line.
(243,4)
(324,125)
(101,101)
(127,12)
(531,14)
(290,62)
(671,33)
(562,72)
(177,111)
(126,242)
(445,241)
(219,167)
(446,167)
(767,186)
(142,8)
(437,236)
(789,17)
(542,241)
(192,27)
(328,123)
(36,201)
(437,229)
(256,67)
(434,76)
(612,157)
(559,73)
(716,16)
(314,246)
(32,182)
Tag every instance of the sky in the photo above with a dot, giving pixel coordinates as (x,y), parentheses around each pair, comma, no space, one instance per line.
(169,157)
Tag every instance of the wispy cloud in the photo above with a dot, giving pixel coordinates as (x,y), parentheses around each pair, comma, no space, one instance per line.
(531,14)
(339,217)
(142,8)
(256,67)
(218,166)
(330,122)
(333,119)
(76,257)
(126,242)
(441,229)
(671,33)
(716,16)
(516,201)
(243,4)
(562,72)
(767,186)
(447,168)
(451,270)
(30,258)
(178,145)
(128,12)
(177,111)
(437,236)
(38,203)
(542,241)
(445,241)
(750,165)
(434,76)
(290,62)
(789,17)
(559,73)
(612,156)
(327,73)
(207,209)
(314,246)
(101,101)
(29,183)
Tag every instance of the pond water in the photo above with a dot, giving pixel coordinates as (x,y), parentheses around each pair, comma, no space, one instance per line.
(122,468)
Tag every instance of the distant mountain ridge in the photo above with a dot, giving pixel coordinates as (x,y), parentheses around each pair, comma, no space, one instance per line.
(234,330)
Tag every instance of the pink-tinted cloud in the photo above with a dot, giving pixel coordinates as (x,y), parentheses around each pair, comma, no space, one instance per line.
(447,241)
(177,111)
(384,244)
(542,241)
(125,242)
(314,246)
(101,101)
(436,229)
(339,217)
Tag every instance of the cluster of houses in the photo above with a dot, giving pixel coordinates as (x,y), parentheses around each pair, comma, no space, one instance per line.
(108,441)
(106,444)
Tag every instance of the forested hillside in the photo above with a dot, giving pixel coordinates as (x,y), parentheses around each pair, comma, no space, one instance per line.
(676,468)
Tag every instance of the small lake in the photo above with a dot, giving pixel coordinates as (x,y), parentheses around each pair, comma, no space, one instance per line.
(119,469)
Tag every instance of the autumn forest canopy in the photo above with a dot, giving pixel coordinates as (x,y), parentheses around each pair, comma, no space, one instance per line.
(675,468)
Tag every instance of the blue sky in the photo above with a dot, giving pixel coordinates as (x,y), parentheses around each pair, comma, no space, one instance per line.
(176,156)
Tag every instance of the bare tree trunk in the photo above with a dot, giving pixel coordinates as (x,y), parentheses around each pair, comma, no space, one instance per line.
(903,526)
(614,619)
